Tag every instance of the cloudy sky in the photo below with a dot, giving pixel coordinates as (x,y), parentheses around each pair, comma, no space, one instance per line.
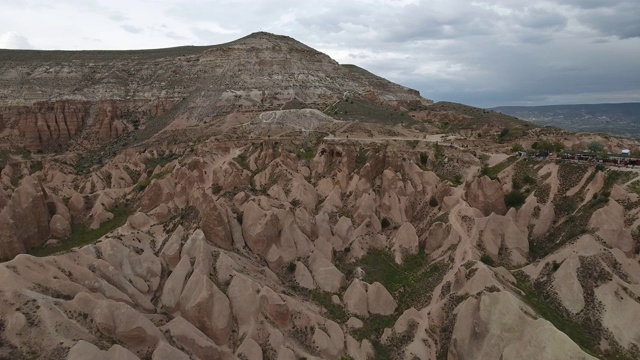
(482,53)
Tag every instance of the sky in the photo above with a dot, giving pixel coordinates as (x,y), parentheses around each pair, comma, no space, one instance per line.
(481,53)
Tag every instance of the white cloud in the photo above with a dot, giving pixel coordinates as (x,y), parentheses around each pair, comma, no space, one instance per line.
(13,40)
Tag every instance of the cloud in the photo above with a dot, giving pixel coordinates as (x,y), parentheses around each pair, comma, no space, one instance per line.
(131,29)
(622,21)
(480,52)
(13,40)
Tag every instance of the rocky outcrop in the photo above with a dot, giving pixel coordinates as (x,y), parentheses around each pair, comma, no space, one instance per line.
(486,195)
(495,326)
(24,221)
(609,222)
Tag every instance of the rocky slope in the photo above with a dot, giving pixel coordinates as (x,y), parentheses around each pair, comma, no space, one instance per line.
(48,98)
(297,233)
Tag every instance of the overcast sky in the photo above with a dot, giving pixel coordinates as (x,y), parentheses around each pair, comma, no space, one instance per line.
(482,53)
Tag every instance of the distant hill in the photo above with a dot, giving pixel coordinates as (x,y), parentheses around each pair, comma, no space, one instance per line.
(616,119)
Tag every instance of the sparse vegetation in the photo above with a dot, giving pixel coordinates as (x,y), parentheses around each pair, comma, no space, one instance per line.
(362,157)
(81,235)
(514,199)
(493,171)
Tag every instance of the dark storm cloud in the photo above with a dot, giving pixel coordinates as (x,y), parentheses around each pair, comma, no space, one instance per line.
(622,21)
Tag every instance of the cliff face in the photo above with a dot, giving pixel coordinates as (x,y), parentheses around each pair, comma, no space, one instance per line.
(51,124)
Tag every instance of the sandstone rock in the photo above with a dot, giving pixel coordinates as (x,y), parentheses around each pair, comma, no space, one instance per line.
(486,195)
(327,276)
(243,295)
(172,289)
(24,221)
(213,222)
(205,306)
(609,221)
(171,250)
(76,206)
(354,323)
(260,228)
(250,350)
(274,308)
(359,351)
(83,350)
(495,327)
(165,351)
(303,276)
(59,227)
(191,339)
(438,233)
(355,298)
(119,321)
(139,221)
(405,242)
(379,301)
(324,344)
(567,285)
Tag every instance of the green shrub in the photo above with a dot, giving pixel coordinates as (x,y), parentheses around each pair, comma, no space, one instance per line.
(385,223)
(424,158)
(488,260)
(433,202)
(514,199)
(291,267)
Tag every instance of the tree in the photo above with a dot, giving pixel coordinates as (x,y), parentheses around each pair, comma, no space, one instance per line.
(595,147)
(517,147)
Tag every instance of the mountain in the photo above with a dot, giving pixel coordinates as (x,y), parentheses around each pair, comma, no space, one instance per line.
(621,119)
(52,97)
(257,200)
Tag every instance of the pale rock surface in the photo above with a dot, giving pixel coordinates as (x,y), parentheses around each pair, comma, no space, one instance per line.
(355,298)
(260,228)
(119,321)
(249,350)
(486,195)
(405,242)
(24,221)
(165,351)
(567,285)
(172,290)
(171,250)
(621,313)
(327,276)
(193,340)
(359,350)
(205,306)
(379,301)
(609,221)
(303,276)
(83,350)
(59,227)
(497,327)
(354,323)
(274,307)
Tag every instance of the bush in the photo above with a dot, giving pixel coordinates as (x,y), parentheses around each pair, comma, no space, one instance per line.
(385,223)
(424,158)
(514,199)
(291,267)
(487,260)
(517,147)
(433,202)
